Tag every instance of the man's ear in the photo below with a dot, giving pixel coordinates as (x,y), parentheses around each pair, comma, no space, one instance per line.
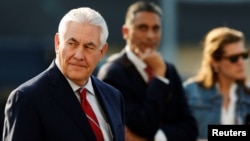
(104,50)
(124,32)
(56,42)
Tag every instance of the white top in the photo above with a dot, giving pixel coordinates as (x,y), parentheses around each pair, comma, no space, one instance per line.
(228,116)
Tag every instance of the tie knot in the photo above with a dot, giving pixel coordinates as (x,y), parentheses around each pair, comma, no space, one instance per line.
(83,93)
(148,69)
(149,73)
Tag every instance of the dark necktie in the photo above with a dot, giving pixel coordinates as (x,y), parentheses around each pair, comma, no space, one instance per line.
(149,73)
(90,115)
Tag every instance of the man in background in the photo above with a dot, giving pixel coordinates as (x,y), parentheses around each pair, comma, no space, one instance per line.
(156,107)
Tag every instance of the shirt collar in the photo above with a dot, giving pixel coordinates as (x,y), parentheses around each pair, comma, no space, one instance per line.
(139,64)
(75,87)
(88,86)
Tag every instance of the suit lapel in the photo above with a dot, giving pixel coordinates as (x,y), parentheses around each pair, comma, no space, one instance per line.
(106,106)
(67,100)
(135,75)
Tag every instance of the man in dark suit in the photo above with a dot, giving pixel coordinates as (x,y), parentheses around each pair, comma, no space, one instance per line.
(156,108)
(47,107)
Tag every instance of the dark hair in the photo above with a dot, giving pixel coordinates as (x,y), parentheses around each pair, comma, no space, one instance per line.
(140,6)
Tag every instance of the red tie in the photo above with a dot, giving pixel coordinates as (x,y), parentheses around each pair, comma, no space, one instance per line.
(90,115)
(149,73)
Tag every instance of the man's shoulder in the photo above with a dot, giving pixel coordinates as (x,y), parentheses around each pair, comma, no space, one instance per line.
(116,61)
(117,56)
(170,65)
(103,85)
(114,57)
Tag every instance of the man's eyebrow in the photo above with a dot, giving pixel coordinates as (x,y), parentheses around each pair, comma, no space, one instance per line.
(72,39)
(141,25)
(90,44)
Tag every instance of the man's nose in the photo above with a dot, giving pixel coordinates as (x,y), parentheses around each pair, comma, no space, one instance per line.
(79,53)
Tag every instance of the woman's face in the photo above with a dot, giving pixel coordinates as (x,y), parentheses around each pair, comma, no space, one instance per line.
(233,64)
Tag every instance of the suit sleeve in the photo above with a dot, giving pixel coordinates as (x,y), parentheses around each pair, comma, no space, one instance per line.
(20,119)
(180,123)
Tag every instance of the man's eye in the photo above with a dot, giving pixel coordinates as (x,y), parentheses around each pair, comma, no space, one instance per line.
(71,43)
(156,29)
(142,28)
(89,47)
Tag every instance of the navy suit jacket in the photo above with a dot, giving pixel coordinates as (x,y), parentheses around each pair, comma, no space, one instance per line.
(45,108)
(151,106)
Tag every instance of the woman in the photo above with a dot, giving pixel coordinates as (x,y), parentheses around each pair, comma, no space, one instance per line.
(218,93)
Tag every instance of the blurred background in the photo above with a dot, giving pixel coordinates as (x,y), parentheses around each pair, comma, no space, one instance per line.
(27,30)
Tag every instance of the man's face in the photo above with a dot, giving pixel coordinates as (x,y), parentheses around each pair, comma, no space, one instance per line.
(79,51)
(144,32)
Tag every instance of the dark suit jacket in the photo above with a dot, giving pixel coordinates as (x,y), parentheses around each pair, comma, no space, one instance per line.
(151,106)
(46,109)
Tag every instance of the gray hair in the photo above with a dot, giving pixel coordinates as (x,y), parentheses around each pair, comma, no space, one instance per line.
(85,15)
